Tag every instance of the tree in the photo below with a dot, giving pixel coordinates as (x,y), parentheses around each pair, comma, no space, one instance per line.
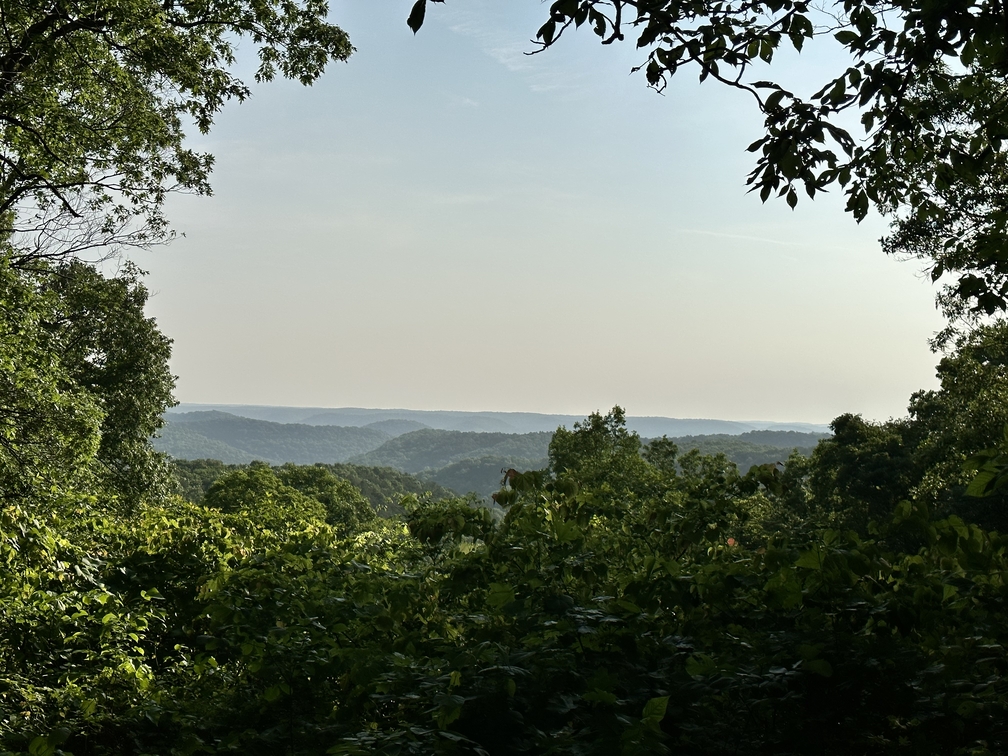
(964,417)
(85,382)
(345,506)
(95,98)
(928,81)
(862,472)
(49,433)
(114,353)
(256,492)
(601,448)
(94,101)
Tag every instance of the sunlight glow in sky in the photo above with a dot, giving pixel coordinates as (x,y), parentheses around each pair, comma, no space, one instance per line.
(447,223)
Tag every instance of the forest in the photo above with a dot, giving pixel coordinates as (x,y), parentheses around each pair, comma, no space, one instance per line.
(625,595)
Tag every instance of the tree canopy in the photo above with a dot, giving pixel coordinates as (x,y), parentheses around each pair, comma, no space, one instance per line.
(645,611)
(95,98)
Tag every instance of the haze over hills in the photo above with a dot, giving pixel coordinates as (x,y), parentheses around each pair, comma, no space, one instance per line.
(488,422)
(431,449)
(236,440)
(464,461)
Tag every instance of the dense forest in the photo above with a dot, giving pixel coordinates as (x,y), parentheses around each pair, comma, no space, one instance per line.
(383,487)
(629,596)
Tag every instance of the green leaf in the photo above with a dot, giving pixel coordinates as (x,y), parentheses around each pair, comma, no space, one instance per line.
(700,665)
(654,710)
(980,484)
(272,693)
(811,560)
(499,594)
(566,531)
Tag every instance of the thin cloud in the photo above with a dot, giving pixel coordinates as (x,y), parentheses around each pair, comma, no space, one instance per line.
(511,51)
(764,239)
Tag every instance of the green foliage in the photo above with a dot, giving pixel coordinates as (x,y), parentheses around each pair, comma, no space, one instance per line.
(280,498)
(257,493)
(383,487)
(96,97)
(661,453)
(991,469)
(962,418)
(601,450)
(345,506)
(638,613)
(863,471)
(866,469)
(49,435)
(117,355)
(86,379)
(307,491)
(194,477)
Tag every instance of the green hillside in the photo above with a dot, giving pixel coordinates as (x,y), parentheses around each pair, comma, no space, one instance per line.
(447,460)
(752,448)
(393,427)
(428,450)
(181,441)
(233,439)
(481,475)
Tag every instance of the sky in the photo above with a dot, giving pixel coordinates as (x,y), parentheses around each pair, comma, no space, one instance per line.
(445,222)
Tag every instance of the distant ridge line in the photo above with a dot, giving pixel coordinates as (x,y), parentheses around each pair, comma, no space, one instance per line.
(488,421)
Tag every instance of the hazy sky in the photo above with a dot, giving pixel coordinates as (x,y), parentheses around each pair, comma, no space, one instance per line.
(446,223)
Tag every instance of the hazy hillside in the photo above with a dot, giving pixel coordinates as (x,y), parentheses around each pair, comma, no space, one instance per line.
(182,441)
(489,422)
(461,461)
(392,427)
(429,449)
(480,475)
(229,438)
(752,448)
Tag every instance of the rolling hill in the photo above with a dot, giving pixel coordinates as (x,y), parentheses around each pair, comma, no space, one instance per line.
(235,440)
(462,461)
(427,450)
(752,448)
(489,422)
